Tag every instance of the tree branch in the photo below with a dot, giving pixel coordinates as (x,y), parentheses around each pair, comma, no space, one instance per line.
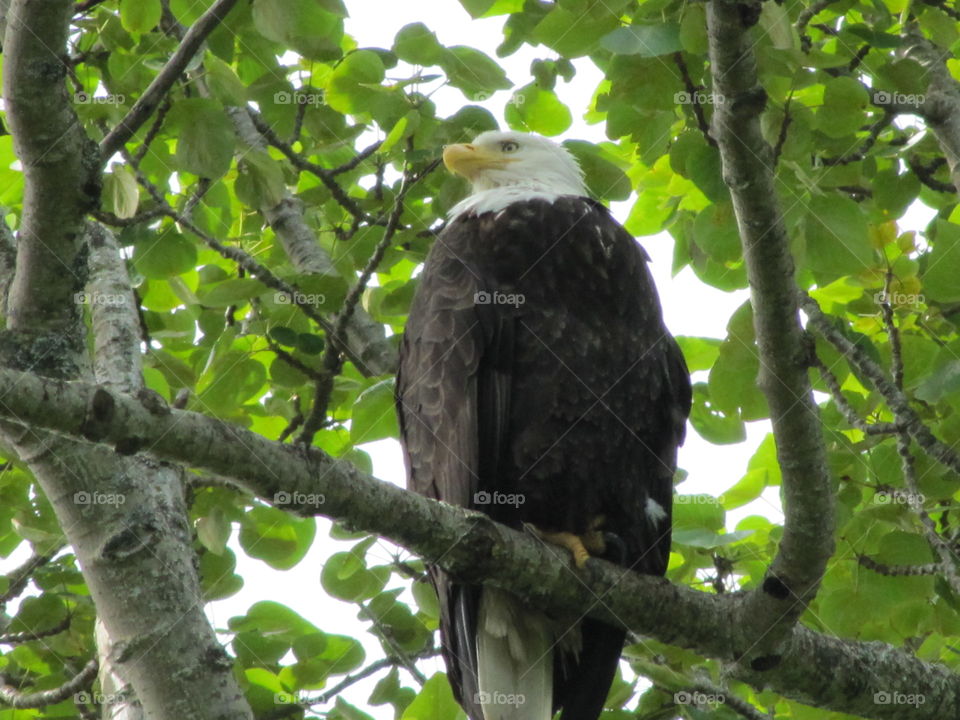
(145,105)
(21,701)
(813,668)
(794,575)
(870,371)
(59,161)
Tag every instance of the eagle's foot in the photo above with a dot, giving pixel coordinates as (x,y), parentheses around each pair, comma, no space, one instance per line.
(582,547)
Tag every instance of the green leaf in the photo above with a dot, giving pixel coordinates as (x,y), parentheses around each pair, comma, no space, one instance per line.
(604,179)
(540,111)
(354,83)
(715,231)
(837,239)
(700,353)
(120,191)
(346,577)
(217,577)
(260,182)
(205,137)
(271,617)
(374,414)
(842,112)
(236,291)
(746,489)
(164,254)
(645,40)
(434,702)
(140,16)
(473,72)
(712,424)
(224,83)
(213,531)
(942,265)
(733,380)
(276,537)
(489,8)
(573,34)
(417,45)
(698,512)
(303,25)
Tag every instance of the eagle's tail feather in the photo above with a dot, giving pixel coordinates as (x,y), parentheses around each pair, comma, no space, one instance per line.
(514,659)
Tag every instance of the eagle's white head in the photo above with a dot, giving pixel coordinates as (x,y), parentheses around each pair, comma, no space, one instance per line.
(509,167)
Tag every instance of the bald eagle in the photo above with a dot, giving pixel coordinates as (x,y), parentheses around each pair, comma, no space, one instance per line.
(538,385)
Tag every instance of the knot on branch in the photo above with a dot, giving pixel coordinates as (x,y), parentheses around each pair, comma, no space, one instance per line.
(765,662)
(99,416)
(776,588)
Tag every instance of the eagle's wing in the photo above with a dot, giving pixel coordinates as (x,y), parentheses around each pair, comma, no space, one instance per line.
(453,400)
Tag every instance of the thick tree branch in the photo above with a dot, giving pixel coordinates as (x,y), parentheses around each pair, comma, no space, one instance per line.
(940,106)
(113,310)
(833,673)
(145,105)
(60,167)
(794,576)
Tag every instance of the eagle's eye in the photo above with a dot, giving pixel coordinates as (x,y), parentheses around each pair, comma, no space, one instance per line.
(509,146)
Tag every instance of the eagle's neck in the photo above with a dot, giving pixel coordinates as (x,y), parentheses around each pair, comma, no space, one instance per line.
(497,198)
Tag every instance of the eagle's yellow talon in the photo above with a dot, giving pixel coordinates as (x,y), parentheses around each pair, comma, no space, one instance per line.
(579,545)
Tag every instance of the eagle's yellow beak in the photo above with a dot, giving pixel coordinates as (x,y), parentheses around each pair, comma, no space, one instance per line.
(469,160)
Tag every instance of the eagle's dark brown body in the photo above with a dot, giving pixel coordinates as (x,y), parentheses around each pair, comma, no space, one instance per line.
(538,384)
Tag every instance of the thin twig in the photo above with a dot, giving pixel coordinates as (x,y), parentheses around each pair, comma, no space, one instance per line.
(402,658)
(914,500)
(693,92)
(878,127)
(898,570)
(154,128)
(28,636)
(19,577)
(325,176)
(925,174)
(353,162)
(371,669)
(804,18)
(19,700)
(846,409)
(869,370)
